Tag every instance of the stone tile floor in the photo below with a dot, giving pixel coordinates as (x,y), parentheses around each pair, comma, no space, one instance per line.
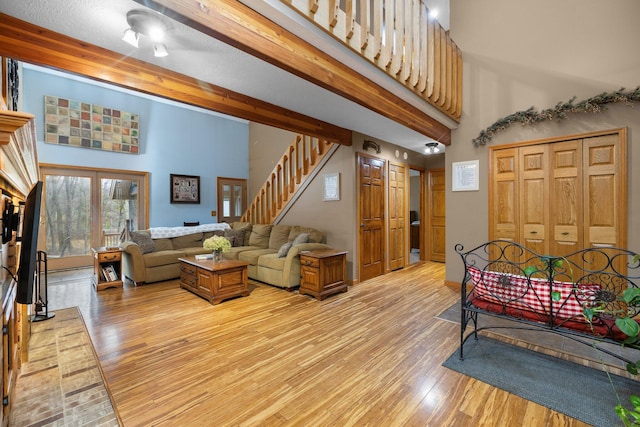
(62,383)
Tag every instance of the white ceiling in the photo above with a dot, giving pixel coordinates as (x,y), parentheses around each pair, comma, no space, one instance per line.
(102,23)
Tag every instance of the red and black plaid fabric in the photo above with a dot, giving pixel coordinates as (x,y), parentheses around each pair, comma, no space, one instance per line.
(533,294)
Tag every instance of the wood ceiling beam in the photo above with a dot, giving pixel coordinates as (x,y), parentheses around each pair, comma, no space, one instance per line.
(238,25)
(36,45)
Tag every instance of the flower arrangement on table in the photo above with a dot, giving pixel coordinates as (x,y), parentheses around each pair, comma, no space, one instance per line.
(217,244)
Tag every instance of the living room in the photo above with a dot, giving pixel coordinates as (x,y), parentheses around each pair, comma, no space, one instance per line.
(535,66)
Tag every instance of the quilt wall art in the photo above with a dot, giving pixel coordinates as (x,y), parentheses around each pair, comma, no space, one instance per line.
(80,124)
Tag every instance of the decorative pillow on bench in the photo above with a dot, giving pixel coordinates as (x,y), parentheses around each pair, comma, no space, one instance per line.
(513,290)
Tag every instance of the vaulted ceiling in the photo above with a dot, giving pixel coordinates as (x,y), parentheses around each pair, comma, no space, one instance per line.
(229,74)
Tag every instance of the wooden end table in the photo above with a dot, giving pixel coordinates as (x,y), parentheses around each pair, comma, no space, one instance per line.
(323,272)
(214,281)
(107,267)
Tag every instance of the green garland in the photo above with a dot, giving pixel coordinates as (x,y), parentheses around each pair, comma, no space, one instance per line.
(531,116)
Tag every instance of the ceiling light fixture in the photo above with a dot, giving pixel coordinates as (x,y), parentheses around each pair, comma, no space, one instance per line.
(150,24)
(431,147)
(160,50)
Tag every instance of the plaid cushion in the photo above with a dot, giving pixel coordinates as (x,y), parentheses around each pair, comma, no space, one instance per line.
(515,291)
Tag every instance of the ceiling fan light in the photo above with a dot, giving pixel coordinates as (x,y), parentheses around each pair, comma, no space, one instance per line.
(160,50)
(130,37)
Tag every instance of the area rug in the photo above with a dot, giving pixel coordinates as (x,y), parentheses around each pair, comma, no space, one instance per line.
(62,382)
(583,393)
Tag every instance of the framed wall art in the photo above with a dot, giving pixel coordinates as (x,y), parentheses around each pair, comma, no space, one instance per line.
(465,176)
(331,187)
(185,189)
(81,124)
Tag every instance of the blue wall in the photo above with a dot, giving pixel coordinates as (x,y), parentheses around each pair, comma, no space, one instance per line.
(173,139)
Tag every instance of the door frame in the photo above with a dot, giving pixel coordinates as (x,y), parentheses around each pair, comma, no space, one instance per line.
(422,210)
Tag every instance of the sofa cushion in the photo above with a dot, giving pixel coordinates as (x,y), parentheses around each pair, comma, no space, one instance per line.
(236,237)
(188,241)
(301,238)
(284,249)
(156,259)
(315,236)
(534,294)
(237,225)
(143,240)
(235,251)
(196,250)
(252,256)
(163,244)
(260,235)
(271,261)
(279,236)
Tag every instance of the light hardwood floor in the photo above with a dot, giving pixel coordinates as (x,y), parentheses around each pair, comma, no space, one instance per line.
(370,356)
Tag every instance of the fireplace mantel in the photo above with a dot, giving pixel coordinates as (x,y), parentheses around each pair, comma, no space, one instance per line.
(18,156)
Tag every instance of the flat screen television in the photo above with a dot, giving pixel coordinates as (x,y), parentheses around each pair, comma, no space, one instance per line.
(29,249)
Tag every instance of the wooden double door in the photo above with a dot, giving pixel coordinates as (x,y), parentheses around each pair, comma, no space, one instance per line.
(556,197)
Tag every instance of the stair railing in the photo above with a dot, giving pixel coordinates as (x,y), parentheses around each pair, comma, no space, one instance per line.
(299,164)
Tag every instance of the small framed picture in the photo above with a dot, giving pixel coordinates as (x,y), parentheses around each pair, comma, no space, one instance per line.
(331,186)
(185,189)
(465,176)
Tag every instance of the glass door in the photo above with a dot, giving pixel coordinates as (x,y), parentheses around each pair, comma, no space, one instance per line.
(84,209)
(232,199)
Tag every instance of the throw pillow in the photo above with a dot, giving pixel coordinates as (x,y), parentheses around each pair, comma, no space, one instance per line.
(301,238)
(236,237)
(144,241)
(284,250)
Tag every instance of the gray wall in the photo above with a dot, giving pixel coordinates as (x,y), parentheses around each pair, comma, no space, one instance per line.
(522,54)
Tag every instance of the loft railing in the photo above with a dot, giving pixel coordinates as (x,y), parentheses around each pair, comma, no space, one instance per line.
(401,39)
(301,162)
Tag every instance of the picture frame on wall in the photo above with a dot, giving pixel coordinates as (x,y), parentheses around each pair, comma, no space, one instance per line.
(465,176)
(331,189)
(185,189)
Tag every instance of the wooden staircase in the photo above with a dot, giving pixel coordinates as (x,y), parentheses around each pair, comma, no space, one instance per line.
(298,166)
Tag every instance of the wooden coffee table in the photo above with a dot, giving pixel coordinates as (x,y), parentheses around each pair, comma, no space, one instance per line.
(214,281)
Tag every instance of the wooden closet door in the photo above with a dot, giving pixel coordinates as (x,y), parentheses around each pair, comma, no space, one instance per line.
(604,186)
(533,181)
(504,195)
(565,200)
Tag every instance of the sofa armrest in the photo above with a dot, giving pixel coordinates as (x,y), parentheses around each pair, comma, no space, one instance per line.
(291,273)
(296,249)
(132,262)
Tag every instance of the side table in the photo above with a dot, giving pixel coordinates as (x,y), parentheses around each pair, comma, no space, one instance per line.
(323,272)
(107,268)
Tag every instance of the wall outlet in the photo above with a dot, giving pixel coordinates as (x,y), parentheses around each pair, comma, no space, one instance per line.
(214,213)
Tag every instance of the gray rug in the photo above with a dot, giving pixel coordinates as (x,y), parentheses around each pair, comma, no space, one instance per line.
(577,391)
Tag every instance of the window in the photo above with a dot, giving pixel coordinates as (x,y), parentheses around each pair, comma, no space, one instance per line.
(88,208)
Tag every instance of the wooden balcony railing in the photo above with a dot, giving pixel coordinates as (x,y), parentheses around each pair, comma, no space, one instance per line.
(401,39)
(110,237)
(289,177)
